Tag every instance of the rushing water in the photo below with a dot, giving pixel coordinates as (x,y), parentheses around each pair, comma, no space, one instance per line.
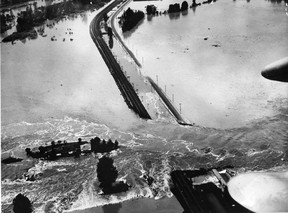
(62,90)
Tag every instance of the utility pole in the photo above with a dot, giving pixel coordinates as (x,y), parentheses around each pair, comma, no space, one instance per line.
(180,107)
(173,98)
(157,79)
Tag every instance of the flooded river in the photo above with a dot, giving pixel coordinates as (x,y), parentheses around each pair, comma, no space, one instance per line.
(62,90)
(210,59)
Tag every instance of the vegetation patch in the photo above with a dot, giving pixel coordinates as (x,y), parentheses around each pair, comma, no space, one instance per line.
(35,16)
(174,8)
(130,19)
(107,175)
(32,34)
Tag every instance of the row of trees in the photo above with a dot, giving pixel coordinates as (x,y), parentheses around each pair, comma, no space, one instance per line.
(101,146)
(151,9)
(173,8)
(12,2)
(61,147)
(30,18)
(72,149)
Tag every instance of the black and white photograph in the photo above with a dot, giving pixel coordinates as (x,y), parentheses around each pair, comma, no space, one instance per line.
(144,106)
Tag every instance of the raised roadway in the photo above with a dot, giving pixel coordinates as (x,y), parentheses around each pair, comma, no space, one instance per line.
(118,36)
(126,89)
(168,104)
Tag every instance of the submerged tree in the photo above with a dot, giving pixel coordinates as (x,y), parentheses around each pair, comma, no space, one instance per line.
(106,172)
(130,19)
(107,175)
(174,8)
(21,204)
(184,6)
(98,146)
(151,9)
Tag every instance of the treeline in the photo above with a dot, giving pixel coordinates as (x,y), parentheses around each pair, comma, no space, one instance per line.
(130,19)
(64,149)
(174,8)
(28,19)
(57,149)
(12,2)
(101,146)
(6,22)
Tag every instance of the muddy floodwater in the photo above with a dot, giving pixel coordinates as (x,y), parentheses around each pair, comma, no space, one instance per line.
(209,62)
(44,79)
(210,58)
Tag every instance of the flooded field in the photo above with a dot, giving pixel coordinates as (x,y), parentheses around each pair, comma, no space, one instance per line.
(210,58)
(42,78)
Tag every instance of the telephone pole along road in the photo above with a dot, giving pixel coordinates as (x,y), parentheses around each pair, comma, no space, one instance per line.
(112,20)
(126,89)
(168,104)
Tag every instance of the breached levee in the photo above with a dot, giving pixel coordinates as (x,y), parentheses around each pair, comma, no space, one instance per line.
(126,89)
(168,104)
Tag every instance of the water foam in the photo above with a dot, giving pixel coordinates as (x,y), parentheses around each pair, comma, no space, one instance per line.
(41,166)
(90,197)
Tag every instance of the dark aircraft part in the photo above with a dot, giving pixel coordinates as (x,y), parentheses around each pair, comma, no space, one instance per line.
(277,71)
(204,196)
